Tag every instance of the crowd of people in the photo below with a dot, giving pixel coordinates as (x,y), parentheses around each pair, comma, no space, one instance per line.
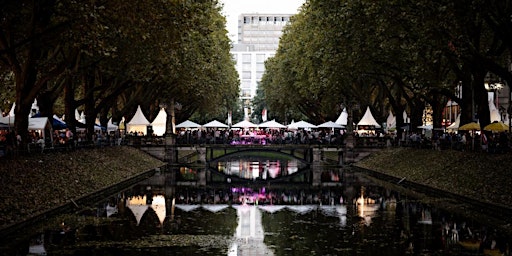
(492,142)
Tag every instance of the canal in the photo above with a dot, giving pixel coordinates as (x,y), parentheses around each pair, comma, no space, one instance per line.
(246,213)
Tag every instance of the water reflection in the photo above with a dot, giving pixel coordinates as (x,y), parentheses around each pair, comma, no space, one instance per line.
(257,168)
(355,219)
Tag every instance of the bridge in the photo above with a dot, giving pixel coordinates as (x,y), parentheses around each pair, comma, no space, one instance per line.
(200,156)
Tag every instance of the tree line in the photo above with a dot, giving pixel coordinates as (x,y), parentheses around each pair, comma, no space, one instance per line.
(107,57)
(390,55)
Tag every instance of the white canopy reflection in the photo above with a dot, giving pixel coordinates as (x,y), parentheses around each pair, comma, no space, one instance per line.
(138,206)
(158,205)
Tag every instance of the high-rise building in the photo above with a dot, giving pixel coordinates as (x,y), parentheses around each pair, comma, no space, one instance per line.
(258,39)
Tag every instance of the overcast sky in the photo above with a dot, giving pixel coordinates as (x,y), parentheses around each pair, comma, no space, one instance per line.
(233,8)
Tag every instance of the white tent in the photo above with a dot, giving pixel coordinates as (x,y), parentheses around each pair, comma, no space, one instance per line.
(138,123)
(456,124)
(406,119)
(271,124)
(40,124)
(77,115)
(330,124)
(8,120)
(391,121)
(160,123)
(111,126)
(244,124)
(215,124)
(342,119)
(368,119)
(11,112)
(301,124)
(495,113)
(188,124)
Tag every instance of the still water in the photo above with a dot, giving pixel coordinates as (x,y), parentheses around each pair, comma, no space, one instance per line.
(158,217)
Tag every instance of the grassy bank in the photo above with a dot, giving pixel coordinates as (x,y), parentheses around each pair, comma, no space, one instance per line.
(32,184)
(482,176)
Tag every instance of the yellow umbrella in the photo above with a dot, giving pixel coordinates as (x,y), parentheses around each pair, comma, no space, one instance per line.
(496,127)
(470,127)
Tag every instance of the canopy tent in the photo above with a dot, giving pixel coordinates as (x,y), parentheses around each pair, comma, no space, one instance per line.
(160,123)
(188,124)
(58,124)
(77,115)
(111,126)
(301,124)
(8,120)
(495,113)
(391,121)
(368,119)
(244,124)
(11,112)
(330,124)
(215,124)
(271,124)
(342,119)
(41,124)
(404,115)
(138,123)
(455,125)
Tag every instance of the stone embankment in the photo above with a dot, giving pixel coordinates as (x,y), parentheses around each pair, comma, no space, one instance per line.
(35,184)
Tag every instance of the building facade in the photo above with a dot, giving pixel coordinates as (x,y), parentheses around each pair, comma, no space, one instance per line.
(258,40)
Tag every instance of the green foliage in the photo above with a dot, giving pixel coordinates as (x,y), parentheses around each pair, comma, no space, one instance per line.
(388,55)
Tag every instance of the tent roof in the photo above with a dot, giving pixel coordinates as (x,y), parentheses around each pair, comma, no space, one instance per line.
(111,126)
(301,124)
(368,119)
(342,119)
(38,123)
(271,124)
(244,124)
(330,124)
(188,124)
(215,124)
(161,118)
(455,124)
(138,118)
(391,121)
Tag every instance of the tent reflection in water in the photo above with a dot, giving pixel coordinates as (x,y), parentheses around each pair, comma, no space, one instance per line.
(138,206)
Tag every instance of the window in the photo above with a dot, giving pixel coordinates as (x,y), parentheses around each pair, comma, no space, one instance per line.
(246,74)
(260,58)
(260,67)
(246,58)
(259,75)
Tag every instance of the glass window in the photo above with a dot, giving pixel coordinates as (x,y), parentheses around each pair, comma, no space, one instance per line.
(260,58)
(260,67)
(259,75)
(246,58)
(246,74)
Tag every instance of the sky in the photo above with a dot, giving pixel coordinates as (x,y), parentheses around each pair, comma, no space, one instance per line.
(233,8)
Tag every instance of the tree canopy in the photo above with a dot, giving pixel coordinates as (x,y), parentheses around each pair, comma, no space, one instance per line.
(107,57)
(390,55)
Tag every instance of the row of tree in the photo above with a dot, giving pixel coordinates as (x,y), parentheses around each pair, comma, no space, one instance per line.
(107,57)
(390,55)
